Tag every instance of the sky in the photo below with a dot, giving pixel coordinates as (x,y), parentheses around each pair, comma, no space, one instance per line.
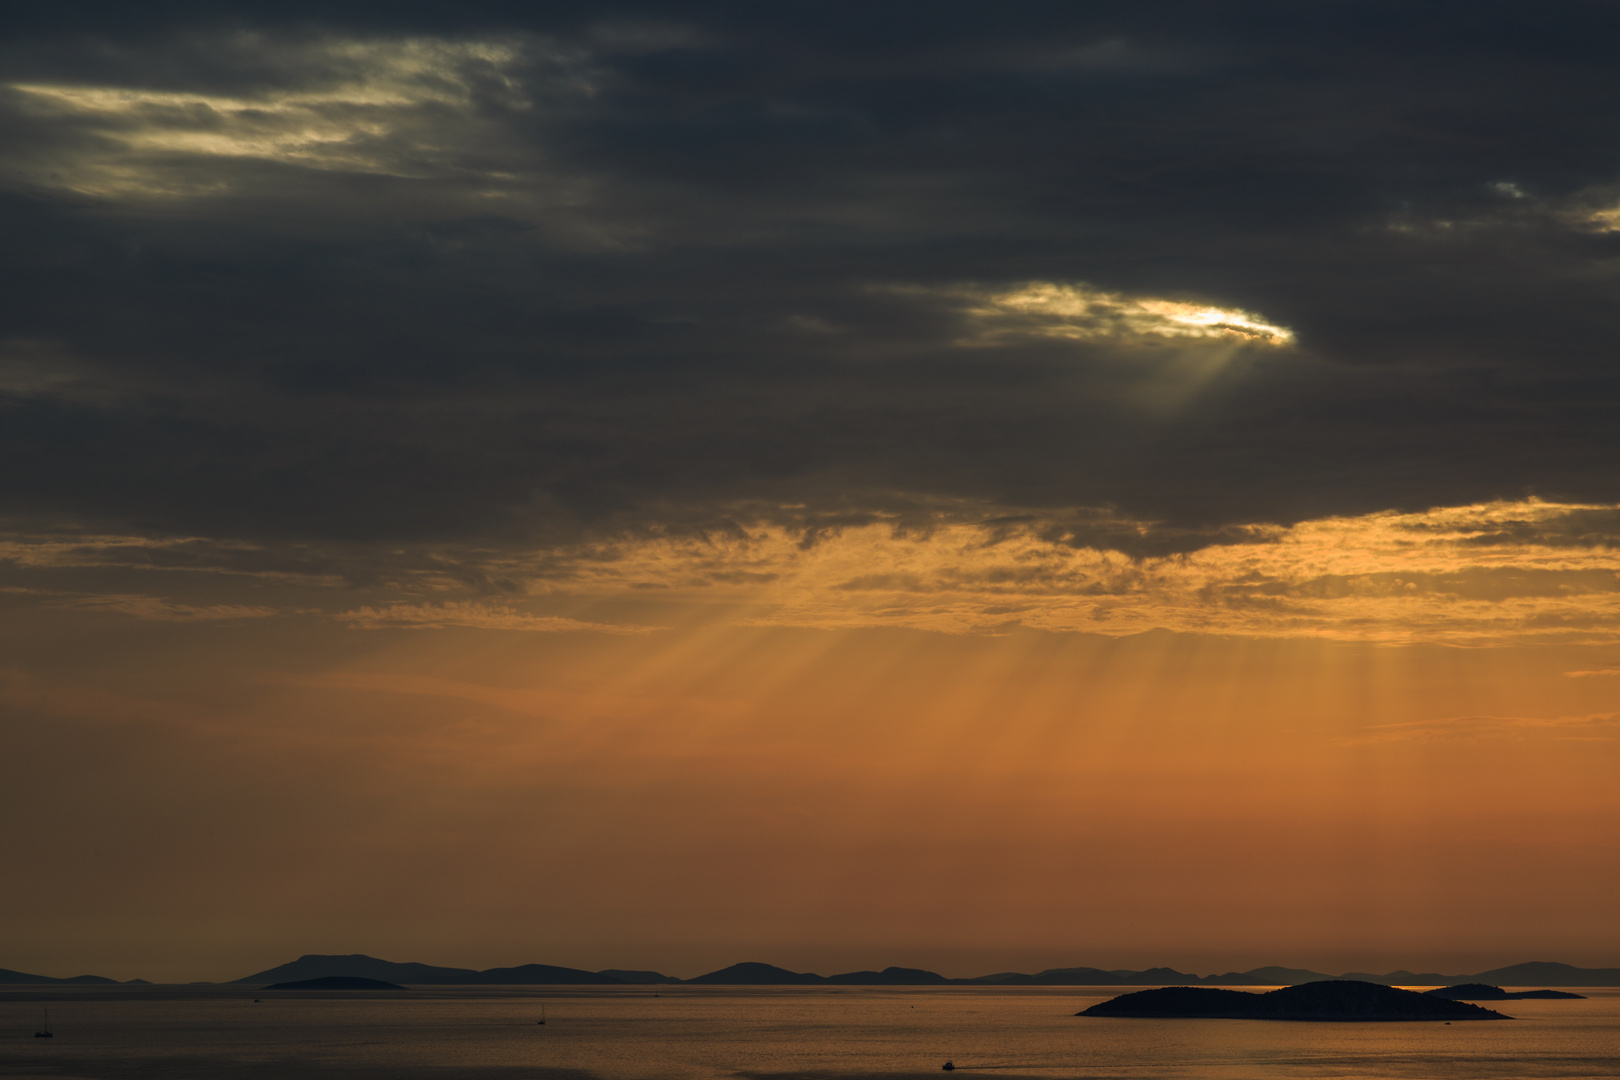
(657,485)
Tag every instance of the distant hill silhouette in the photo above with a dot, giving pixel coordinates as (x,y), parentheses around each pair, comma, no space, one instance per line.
(1268,976)
(544,975)
(22,978)
(336,982)
(317,966)
(1482,992)
(891,976)
(756,974)
(1548,974)
(639,978)
(1404,977)
(1087,976)
(1082,976)
(1335,999)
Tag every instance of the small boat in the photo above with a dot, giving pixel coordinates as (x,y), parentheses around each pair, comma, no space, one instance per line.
(44,1031)
(949,1066)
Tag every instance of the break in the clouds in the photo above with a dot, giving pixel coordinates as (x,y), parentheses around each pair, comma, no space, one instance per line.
(339,296)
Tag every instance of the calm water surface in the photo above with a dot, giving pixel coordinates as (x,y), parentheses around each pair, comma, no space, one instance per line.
(768,1034)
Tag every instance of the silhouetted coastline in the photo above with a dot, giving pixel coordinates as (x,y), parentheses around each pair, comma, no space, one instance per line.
(754,973)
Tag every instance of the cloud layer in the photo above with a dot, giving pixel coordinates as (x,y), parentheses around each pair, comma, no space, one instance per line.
(1488,574)
(432,297)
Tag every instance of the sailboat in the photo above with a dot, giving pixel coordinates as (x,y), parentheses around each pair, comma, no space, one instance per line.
(44,1031)
(542,1019)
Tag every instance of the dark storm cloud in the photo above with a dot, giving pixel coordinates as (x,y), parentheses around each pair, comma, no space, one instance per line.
(348,274)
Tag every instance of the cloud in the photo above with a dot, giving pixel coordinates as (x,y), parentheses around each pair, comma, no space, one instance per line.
(1388,577)
(473,615)
(412,110)
(327,294)
(1079,312)
(33,550)
(1505,209)
(159,609)
(30,368)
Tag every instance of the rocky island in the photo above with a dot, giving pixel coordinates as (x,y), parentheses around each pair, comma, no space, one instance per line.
(1329,1000)
(1483,992)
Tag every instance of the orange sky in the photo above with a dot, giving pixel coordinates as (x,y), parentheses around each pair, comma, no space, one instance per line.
(659,486)
(203,797)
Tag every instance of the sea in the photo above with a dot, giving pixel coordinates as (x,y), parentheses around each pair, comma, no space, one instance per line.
(766,1033)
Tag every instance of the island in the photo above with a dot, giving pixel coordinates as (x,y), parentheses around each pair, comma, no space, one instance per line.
(1485,992)
(1335,1000)
(336,982)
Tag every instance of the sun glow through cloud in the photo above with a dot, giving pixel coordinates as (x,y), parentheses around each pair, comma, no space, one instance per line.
(1082,313)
